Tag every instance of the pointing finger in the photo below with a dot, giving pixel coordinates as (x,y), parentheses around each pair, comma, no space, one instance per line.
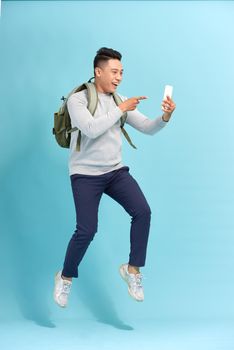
(141,98)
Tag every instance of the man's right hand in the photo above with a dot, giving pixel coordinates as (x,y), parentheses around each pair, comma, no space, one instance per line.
(131,103)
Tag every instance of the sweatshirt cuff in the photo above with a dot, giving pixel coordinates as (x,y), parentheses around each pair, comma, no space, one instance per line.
(164,121)
(120,112)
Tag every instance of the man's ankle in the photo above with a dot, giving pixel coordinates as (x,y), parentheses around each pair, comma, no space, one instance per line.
(133,269)
(67,278)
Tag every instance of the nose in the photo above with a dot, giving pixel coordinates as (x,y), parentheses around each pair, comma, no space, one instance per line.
(119,77)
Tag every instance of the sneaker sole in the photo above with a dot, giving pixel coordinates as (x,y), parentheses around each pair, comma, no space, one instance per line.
(54,294)
(121,271)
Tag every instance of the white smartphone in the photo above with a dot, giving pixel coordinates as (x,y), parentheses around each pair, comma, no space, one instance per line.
(168,91)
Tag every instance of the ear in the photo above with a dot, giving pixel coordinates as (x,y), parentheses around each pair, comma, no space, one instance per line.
(97,71)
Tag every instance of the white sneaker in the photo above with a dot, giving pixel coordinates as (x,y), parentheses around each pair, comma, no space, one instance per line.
(135,287)
(61,290)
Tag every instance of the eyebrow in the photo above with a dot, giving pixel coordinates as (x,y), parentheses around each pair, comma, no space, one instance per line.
(117,69)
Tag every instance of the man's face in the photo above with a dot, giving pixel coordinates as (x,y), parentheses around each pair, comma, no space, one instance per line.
(109,75)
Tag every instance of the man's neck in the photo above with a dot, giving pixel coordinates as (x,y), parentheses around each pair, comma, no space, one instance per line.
(100,90)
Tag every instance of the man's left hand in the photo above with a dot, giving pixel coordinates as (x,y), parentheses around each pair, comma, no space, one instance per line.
(168,106)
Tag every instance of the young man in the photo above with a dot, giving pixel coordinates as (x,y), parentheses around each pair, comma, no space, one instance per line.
(97,168)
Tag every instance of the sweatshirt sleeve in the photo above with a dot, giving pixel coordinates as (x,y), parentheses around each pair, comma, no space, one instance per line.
(142,123)
(84,121)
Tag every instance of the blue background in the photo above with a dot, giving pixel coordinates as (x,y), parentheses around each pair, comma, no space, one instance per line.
(186,172)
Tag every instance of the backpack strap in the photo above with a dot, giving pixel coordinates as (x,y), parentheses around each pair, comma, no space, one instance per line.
(118,100)
(92,105)
(92,97)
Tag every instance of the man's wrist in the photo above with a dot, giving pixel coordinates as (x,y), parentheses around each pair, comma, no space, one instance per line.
(166,117)
(122,108)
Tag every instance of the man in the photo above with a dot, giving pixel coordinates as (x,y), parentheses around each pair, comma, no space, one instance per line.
(97,168)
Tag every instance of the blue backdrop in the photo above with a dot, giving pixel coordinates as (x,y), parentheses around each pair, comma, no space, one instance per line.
(186,170)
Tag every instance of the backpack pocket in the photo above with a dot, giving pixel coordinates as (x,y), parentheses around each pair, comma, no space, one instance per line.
(60,130)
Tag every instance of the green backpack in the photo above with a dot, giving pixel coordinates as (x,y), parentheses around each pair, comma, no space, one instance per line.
(62,123)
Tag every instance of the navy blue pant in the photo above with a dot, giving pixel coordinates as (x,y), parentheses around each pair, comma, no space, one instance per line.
(87,192)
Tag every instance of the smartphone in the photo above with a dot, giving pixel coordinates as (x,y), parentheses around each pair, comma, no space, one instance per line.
(168,91)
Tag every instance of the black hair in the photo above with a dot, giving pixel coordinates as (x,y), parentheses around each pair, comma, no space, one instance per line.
(104,54)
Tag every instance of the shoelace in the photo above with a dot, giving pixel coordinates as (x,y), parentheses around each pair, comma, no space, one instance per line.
(137,280)
(66,288)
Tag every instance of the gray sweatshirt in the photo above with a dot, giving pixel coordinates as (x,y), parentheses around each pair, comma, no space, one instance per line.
(101,136)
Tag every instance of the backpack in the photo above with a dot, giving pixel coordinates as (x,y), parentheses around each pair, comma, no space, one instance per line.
(62,123)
